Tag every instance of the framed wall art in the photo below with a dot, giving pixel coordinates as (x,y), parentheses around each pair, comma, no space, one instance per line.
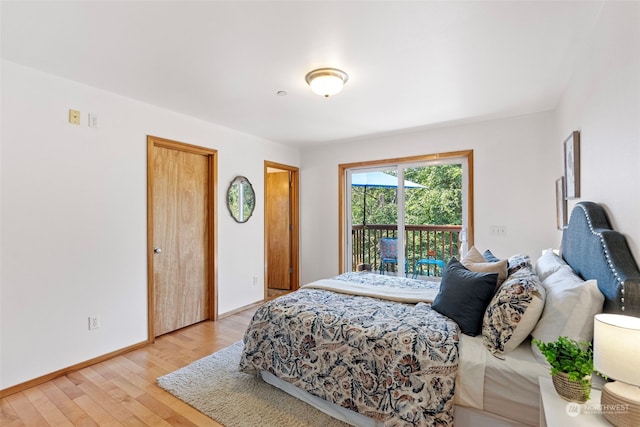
(572,165)
(561,204)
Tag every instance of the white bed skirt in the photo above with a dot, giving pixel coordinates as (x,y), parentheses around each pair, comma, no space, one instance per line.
(464,417)
(328,408)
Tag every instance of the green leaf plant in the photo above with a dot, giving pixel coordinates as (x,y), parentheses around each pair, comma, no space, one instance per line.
(571,357)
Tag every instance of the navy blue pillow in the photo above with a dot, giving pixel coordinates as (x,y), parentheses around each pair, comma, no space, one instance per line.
(490,257)
(464,296)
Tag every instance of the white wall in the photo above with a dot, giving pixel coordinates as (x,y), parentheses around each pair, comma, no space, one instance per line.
(516,160)
(73,219)
(514,184)
(602,101)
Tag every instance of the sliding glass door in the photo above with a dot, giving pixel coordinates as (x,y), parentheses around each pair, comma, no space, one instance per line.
(434,216)
(373,218)
(418,208)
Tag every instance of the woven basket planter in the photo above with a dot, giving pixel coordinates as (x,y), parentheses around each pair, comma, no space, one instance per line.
(572,391)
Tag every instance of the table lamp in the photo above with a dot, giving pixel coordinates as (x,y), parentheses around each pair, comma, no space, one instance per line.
(616,354)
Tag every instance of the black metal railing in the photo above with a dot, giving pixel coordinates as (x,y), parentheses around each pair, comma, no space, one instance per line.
(438,242)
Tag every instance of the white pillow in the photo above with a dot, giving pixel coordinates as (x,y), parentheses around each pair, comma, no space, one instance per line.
(569,308)
(548,264)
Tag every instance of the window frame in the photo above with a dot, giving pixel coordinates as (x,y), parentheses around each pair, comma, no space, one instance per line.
(402,162)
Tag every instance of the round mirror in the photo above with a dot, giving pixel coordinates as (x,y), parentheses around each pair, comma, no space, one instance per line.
(241,200)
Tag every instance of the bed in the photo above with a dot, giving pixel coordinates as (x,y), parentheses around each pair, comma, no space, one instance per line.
(377,350)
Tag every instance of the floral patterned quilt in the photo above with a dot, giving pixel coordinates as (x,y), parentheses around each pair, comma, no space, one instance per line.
(391,361)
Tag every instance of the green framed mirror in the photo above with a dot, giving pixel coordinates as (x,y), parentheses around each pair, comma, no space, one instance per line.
(241,199)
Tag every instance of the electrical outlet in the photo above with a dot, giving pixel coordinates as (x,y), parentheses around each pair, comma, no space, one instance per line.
(255,281)
(94,322)
(74,117)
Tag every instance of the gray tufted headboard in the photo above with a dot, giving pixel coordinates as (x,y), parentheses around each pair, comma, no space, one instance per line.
(595,251)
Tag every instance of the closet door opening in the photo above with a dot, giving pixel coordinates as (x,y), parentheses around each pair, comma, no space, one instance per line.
(281,229)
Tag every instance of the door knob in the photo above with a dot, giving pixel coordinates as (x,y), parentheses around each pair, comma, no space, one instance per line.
(157,250)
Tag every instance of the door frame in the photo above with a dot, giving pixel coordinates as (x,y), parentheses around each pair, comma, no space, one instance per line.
(342,202)
(212,272)
(295,225)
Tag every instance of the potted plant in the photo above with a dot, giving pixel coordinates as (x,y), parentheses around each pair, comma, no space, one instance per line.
(571,367)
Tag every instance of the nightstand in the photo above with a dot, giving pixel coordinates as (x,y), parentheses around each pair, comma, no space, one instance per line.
(557,412)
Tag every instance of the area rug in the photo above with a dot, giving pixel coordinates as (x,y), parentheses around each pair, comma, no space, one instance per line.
(214,386)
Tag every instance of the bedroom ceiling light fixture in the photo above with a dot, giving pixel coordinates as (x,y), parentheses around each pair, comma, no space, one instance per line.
(616,345)
(326,81)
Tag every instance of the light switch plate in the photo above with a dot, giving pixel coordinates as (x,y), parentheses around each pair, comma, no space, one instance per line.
(93,120)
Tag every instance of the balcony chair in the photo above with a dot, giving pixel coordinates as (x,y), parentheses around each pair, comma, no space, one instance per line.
(430,260)
(389,254)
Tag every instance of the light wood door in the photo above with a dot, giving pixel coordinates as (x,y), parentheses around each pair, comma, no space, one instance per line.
(278,218)
(181,258)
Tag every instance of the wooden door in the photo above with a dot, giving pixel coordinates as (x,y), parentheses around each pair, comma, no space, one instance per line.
(278,218)
(180,242)
(281,227)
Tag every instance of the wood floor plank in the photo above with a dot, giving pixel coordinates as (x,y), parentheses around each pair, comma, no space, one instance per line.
(99,392)
(8,416)
(49,411)
(134,422)
(154,405)
(68,387)
(147,416)
(68,407)
(25,410)
(122,391)
(105,370)
(95,411)
(122,385)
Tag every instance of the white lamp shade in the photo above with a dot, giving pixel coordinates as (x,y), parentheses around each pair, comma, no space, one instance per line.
(326,81)
(616,347)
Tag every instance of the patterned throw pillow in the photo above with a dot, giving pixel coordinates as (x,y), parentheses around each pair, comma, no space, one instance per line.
(516,262)
(513,312)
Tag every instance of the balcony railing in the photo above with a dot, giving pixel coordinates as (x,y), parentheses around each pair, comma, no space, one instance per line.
(440,242)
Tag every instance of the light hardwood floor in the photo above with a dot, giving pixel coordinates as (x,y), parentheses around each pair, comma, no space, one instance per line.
(122,391)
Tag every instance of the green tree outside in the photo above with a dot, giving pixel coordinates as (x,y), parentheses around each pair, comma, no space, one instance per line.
(439,203)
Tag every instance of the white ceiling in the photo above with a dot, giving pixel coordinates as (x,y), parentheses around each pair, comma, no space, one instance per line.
(410,64)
